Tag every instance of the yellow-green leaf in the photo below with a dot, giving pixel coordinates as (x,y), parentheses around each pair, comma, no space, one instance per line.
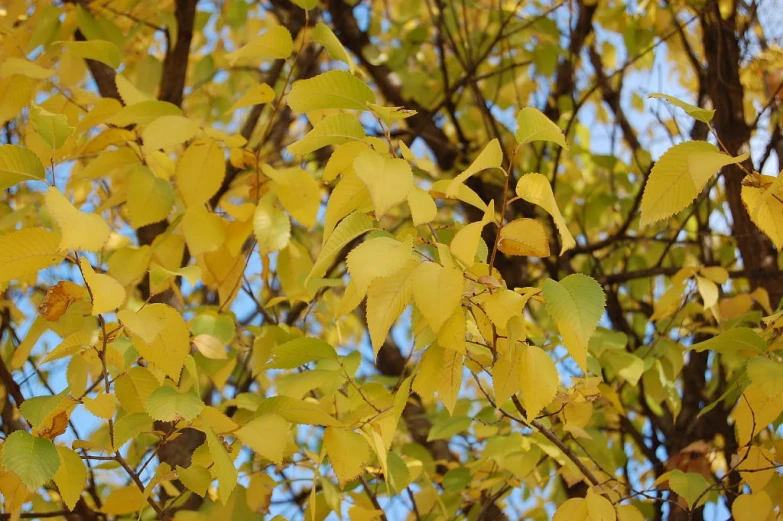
(347,230)
(693,111)
(149,198)
(387,298)
(323,35)
(533,125)
(297,191)
(679,176)
(764,204)
(196,478)
(272,226)
(330,90)
(18,164)
(276,42)
(53,128)
(168,131)
(225,471)
(334,129)
(169,405)
(143,113)
(576,303)
(257,95)
(689,486)
(160,335)
(34,460)
(98,50)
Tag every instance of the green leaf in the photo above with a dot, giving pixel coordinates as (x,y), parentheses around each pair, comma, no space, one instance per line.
(168,404)
(98,50)
(533,125)
(332,130)
(678,177)
(34,460)
(734,341)
(347,230)
(330,90)
(301,351)
(53,128)
(693,111)
(18,164)
(274,43)
(224,469)
(577,304)
(689,485)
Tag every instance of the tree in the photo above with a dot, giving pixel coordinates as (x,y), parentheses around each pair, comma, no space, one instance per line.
(420,260)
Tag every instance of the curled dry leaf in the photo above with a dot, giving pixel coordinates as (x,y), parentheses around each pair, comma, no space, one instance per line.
(58,298)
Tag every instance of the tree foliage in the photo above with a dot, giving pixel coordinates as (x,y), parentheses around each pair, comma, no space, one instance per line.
(423,260)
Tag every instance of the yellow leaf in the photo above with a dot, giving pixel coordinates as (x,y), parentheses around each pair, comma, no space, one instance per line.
(297,191)
(258,95)
(200,172)
(465,243)
(196,478)
(538,380)
(451,378)
(78,230)
(124,500)
(107,293)
(599,508)
(134,387)
(27,251)
(437,292)
(204,231)
(506,372)
(11,66)
(349,195)
(168,131)
(143,113)
(764,204)
(708,290)
(629,513)
(388,180)
(16,92)
(341,160)
(53,129)
(501,305)
(375,258)
(387,298)
(524,237)
(160,335)
(752,507)
(348,453)
(453,332)
(71,476)
(103,406)
(535,188)
(756,467)
(423,208)
(58,298)
(330,90)
(267,435)
(490,157)
(464,194)
(128,265)
(210,346)
(679,176)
